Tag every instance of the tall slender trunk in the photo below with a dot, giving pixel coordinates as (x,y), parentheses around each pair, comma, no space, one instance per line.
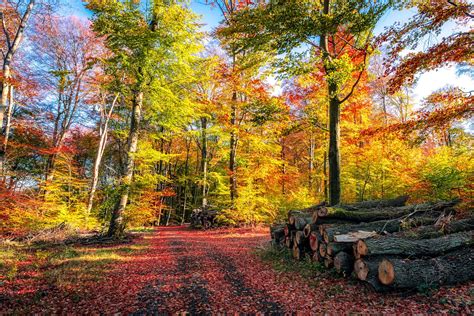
(334,140)
(233,150)
(283,167)
(204,161)
(7,134)
(104,133)
(116,227)
(12,46)
(311,161)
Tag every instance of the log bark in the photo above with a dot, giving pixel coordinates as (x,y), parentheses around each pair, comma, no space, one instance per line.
(335,247)
(344,263)
(389,245)
(452,268)
(375,214)
(388,226)
(117,226)
(398,201)
(434,231)
(300,222)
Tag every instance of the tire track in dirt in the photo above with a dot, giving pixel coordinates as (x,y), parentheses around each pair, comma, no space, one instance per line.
(246,294)
(187,286)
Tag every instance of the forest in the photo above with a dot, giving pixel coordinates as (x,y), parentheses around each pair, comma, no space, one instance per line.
(136,116)
(122,121)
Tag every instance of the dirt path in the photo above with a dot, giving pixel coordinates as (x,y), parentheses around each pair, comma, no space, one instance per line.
(204,272)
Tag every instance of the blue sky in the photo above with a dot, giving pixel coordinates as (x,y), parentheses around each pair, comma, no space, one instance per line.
(427,82)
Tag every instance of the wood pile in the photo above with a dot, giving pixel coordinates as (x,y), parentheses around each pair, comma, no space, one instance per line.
(203,218)
(384,243)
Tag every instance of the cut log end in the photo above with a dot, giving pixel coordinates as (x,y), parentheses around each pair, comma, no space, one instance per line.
(361,269)
(361,249)
(386,272)
(286,230)
(314,218)
(313,241)
(322,212)
(307,230)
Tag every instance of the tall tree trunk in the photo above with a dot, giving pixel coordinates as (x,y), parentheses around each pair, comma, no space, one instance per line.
(104,132)
(233,149)
(334,140)
(311,161)
(7,133)
(204,162)
(12,47)
(116,227)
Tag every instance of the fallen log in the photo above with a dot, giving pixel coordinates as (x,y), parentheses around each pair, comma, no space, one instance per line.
(452,268)
(388,245)
(398,201)
(300,222)
(434,231)
(367,270)
(388,226)
(335,247)
(344,263)
(375,214)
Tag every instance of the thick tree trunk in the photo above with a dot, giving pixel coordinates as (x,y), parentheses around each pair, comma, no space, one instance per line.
(452,268)
(334,143)
(116,227)
(413,248)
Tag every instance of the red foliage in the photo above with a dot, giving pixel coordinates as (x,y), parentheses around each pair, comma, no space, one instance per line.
(203,271)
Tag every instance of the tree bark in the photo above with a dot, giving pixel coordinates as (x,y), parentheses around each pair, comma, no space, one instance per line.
(233,150)
(398,201)
(367,270)
(389,226)
(434,231)
(117,227)
(204,161)
(344,263)
(413,248)
(369,215)
(452,268)
(104,133)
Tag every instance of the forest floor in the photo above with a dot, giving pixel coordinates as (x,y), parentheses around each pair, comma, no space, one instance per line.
(176,269)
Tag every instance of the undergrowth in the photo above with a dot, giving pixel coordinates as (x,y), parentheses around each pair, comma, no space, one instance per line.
(282,260)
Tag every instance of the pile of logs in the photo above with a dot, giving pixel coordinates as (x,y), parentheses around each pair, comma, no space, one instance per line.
(385,243)
(203,218)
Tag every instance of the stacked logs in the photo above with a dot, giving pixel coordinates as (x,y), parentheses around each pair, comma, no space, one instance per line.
(385,243)
(203,218)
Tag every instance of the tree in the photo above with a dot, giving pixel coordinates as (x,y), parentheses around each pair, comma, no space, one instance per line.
(328,31)
(14,20)
(145,45)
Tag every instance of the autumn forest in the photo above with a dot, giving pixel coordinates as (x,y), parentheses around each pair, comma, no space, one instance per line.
(135,115)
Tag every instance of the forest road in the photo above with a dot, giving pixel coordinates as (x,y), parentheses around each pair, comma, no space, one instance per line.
(205,272)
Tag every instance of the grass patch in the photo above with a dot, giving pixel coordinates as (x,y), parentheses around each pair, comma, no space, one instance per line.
(63,265)
(282,260)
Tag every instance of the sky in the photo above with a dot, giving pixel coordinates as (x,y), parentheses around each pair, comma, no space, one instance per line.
(426,84)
